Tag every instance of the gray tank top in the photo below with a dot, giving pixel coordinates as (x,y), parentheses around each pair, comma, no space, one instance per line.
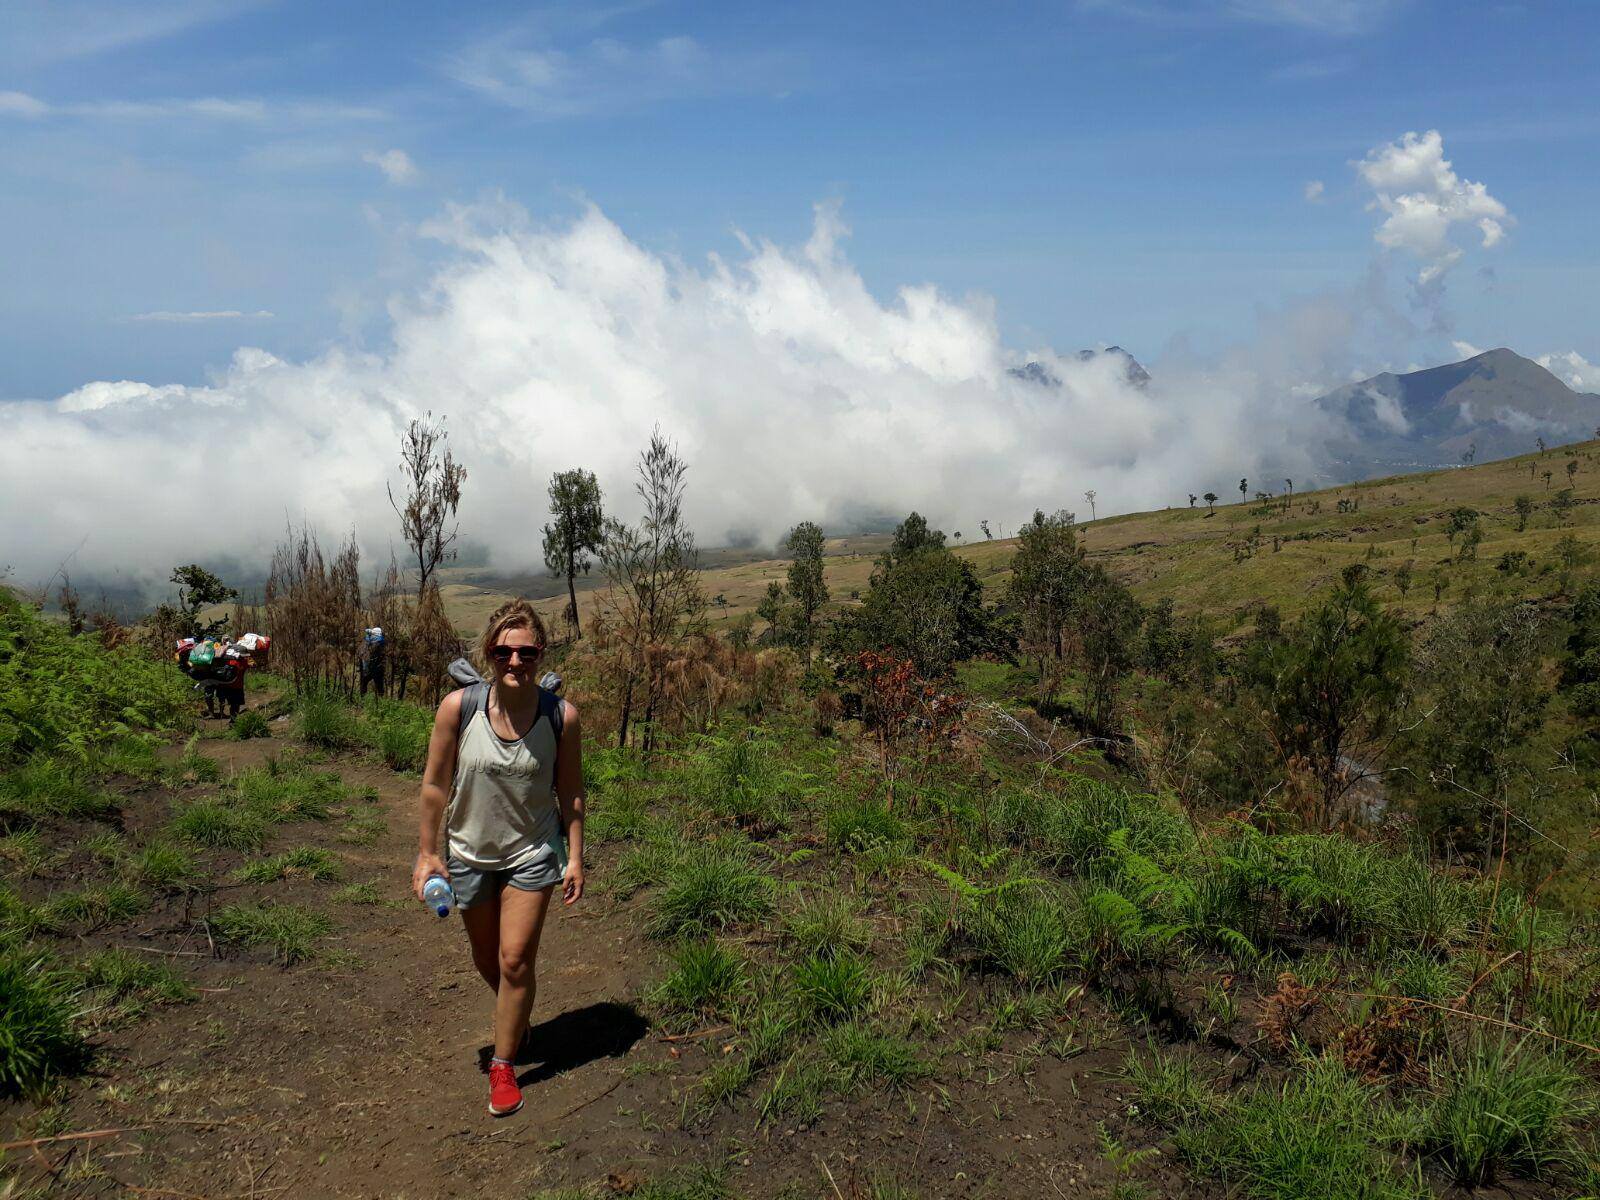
(503,809)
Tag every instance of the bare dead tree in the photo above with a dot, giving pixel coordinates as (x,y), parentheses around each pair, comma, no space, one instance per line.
(654,594)
(433,482)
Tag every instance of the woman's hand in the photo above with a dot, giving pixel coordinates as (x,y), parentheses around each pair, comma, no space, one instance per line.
(427,866)
(572,883)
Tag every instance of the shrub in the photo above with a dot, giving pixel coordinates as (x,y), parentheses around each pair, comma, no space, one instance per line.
(251,723)
(833,987)
(704,979)
(708,887)
(38,1036)
(739,782)
(1500,1105)
(277,792)
(67,694)
(1028,933)
(623,814)
(286,928)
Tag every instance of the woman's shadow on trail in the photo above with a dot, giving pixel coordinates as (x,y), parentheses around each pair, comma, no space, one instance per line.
(572,1039)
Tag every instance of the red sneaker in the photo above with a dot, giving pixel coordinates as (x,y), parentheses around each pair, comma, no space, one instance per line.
(505,1097)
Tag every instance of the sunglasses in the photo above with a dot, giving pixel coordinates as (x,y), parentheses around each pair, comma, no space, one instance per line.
(502,654)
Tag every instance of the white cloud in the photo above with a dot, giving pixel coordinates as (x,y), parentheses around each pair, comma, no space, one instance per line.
(1423,200)
(793,391)
(1314,190)
(20,104)
(204,108)
(396,166)
(1573,370)
(227,314)
(1465,349)
(52,30)
(522,68)
(1337,18)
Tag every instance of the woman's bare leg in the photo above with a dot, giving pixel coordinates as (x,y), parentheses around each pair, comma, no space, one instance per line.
(521,922)
(482,923)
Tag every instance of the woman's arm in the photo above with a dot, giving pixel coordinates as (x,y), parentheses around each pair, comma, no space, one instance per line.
(436,778)
(569,791)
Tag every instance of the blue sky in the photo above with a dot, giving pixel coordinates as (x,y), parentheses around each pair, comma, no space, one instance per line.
(1129,171)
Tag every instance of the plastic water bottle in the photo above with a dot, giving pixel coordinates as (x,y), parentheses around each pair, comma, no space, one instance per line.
(436,894)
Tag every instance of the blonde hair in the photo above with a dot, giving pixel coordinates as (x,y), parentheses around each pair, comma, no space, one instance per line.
(513,614)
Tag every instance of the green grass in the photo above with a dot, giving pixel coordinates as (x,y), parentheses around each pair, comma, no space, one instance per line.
(25,853)
(827,922)
(364,894)
(398,731)
(863,822)
(1167,1086)
(706,888)
(164,866)
(704,979)
(120,985)
(864,1055)
(251,723)
(303,862)
(282,791)
(94,908)
(42,788)
(290,931)
(1502,1107)
(832,987)
(1316,1137)
(210,822)
(193,766)
(39,1038)
(322,719)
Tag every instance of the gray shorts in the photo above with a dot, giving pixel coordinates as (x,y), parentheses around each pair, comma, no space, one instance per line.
(472,884)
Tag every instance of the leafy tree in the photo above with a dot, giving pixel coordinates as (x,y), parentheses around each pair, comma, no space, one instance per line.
(1470,541)
(1524,508)
(433,482)
(984,525)
(926,607)
(1244,487)
(1547,476)
(1089,496)
(1562,504)
(912,537)
(807,587)
(198,589)
(1572,469)
(1332,687)
(1461,519)
(1192,499)
(1211,501)
(1047,574)
(1161,650)
(1482,674)
(1107,620)
(575,533)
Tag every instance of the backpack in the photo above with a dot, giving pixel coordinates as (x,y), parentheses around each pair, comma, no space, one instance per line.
(203,654)
(475,699)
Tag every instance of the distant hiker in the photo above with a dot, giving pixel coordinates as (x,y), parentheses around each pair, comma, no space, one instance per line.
(506,754)
(374,648)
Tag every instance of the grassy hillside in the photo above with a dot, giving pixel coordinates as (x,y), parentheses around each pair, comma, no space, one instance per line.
(1202,560)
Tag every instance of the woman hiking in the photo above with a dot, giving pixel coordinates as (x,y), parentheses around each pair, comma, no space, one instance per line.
(506,755)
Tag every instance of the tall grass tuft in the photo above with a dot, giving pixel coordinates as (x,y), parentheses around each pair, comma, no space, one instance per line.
(833,987)
(704,980)
(41,788)
(1501,1105)
(39,1039)
(289,930)
(708,887)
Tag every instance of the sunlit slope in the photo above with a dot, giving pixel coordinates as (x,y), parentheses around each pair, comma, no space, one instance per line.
(1205,561)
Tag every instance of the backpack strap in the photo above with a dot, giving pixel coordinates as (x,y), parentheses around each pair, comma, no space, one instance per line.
(474,700)
(553,710)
